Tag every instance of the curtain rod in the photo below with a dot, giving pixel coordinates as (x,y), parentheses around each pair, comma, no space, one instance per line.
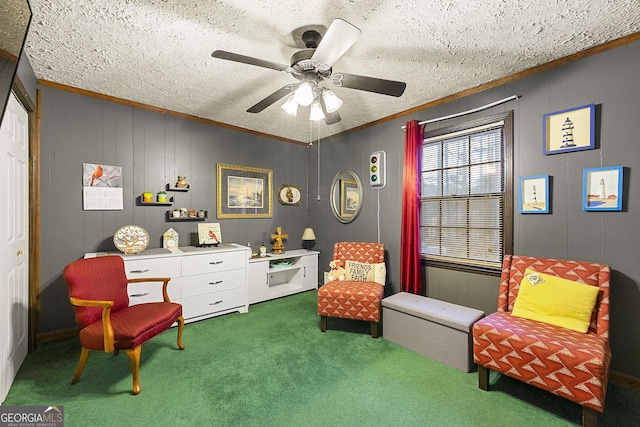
(464,113)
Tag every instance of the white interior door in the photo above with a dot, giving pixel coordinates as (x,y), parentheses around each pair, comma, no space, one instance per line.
(14,243)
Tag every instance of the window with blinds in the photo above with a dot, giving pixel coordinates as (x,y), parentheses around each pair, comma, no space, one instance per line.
(465,192)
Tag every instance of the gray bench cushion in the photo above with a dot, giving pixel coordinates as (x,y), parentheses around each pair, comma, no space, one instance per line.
(441,312)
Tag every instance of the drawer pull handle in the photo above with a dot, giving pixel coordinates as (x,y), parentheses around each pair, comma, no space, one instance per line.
(216,262)
(139,295)
(215,303)
(216,283)
(139,271)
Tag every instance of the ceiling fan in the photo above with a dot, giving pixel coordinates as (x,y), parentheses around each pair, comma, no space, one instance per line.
(312,66)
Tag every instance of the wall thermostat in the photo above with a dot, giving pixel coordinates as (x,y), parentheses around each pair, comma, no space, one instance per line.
(377,169)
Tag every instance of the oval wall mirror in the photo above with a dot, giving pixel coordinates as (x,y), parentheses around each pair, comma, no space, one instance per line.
(346,196)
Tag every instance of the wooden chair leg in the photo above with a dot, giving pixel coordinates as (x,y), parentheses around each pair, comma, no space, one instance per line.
(180,329)
(84,354)
(483,377)
(589,417)
(323,323)
(134,358)
(374,329)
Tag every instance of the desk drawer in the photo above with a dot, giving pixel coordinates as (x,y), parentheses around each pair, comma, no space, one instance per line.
(214,302)
(212,282)
(154,267)
(212,262)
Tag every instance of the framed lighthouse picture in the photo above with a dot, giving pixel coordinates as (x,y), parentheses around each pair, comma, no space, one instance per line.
(569,130)
(602,189)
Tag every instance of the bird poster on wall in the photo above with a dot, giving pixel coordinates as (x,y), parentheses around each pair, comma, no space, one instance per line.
(101,187)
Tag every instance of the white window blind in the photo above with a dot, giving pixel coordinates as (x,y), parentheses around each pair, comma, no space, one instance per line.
(463,196)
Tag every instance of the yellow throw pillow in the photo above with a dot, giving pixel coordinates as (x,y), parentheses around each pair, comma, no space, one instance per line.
(363,272)
(556,301)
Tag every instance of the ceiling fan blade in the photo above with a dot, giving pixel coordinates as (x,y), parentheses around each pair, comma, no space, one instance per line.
(369,84)
(329,118)
(274,97)
(340,36)
(230,56)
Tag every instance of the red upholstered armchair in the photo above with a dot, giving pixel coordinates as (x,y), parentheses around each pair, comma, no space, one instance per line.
(351,299)
(570,364)
(98,293)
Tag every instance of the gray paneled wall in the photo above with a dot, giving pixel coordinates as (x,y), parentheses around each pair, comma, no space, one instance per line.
(152,149)
(608,80)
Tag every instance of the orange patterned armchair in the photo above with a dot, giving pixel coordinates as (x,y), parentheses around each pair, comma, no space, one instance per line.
(570,364)
(353,299)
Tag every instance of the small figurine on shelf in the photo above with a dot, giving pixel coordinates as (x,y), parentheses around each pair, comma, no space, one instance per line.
(278,246)
(182,182)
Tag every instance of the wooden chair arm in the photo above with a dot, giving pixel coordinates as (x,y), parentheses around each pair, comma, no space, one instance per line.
(165,295)
(106,318)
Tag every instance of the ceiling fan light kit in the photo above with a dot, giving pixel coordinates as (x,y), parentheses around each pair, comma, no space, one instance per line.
(290,106)
(313,65)
(331,101)
(316,112)
(304,94)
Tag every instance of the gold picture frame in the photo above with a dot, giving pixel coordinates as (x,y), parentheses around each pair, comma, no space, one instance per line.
(244,192)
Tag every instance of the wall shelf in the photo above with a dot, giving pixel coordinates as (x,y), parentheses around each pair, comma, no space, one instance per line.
(139,202)
(186,218)
(182,189)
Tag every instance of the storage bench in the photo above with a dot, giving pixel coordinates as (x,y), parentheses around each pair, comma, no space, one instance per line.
(436,329)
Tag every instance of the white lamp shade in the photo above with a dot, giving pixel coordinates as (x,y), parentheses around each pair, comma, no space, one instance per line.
(291,106)
(331,101)
(308,234)
(316,112)
(304,94)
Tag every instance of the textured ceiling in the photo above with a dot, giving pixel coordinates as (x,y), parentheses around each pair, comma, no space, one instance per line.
(158,52)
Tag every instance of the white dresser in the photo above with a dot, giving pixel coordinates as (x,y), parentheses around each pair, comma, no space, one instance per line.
(207,282)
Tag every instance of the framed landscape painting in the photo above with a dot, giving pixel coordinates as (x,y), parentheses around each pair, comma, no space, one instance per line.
(244,192)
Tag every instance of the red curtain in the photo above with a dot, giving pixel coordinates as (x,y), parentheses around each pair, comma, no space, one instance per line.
(410,269)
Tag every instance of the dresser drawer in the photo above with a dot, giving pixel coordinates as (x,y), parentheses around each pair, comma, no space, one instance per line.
(152,291)
(153,267)
(209,304)
(213,262)
(212,282)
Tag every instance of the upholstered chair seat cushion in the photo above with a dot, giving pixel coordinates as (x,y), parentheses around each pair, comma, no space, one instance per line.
(351,300)
(562,361)
(132,326)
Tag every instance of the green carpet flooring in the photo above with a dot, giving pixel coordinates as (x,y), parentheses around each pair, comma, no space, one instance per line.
(273,367)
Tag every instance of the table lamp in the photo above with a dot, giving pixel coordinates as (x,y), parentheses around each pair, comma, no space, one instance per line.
(308,236)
